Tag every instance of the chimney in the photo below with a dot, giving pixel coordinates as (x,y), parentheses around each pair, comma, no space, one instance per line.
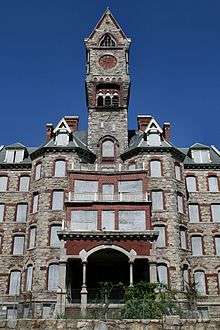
(167,131)
(49,132)
(72,122)
(143,121)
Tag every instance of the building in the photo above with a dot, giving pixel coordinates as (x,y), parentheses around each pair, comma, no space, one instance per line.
(110,204)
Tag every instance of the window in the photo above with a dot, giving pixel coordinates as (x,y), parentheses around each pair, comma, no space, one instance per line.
(54,239)
(132,167)
(161,240)
(155,168)
(213,184)
(108,149)
(199,278)
(154,140)
(194,213)
(108,220)
(115,101)
(85,190)
(107,192)
(14,156)
(84,220)
(217,245)
(53,277)
(201,156)
(130,190)
(2,212)
(183,242)
(185,275)
(57,200)
(215,210)
(3,183)
(100,101)
(12,313)
(107,41)
(18,245)
(178,172)
(62,138)
(196,242)
(14,282)
(32,237)
(29,277)
(157,200)
(21,214)
(60,168)
(108,101)
(191,183)
(35,202)
(180,203)
(24,183)
(132,220)
(162,274)
(38,171)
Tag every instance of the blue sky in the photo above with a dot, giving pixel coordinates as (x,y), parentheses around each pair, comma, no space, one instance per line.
(174,64)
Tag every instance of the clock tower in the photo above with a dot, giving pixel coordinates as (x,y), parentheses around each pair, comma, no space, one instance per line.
(107,86)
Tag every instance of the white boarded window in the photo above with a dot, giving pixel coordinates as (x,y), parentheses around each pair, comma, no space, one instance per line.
(162,274)
(183,243)
(157,200)
(217,245)
(196,242)
(29,278)
(35,203)
(191,183)
(178,172)
(3,183)
(213,184)
(155,168)
(62,139)
(107,192)
(83,220)
(201,156)
(161,240)
(14,283)
(60,168)
(199,278)
(19,156)
(2,212)
(85,190)
(14,156)
(215,209)
(185,274)
(18,245)
(130,190)
(132,220)
(24,183)
(9,156)
(32,237)
(54,239)
(108,149)
(57,200)
(21,215)
(53,272)
(153,139)
(194,213)
(108,220)
(180,203)
(38,170)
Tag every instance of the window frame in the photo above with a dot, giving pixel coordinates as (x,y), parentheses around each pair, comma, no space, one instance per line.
(162,200)
(158,161)
(38,171)
(201,248)
(195,182)
(14,245)
(51,288)
(50,236)
(6,184)
(28,186)
(217,183)
(53,208)
(64,170)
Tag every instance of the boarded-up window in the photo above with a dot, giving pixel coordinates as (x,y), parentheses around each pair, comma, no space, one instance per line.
(199,278)
(157,200)
(62,139)
(35,203)
(53,273)
(217,245)
(3,183)
(54,239)
(108,149)
(29,277)
(183,243)
(215,209)
(38,170)
(162,274)
(130,190)
(2,212)
(194,213)
(83,220)
(154,139)
(14,156)
(177,172)
(201,156)
(185,274)
(85,190)
(18,245)
(14,282)
(108,220)
(32,237)
(57,200)
(60,168)
(191,183)
(21,215)
(196,242)
(213,184)
(161,240)
(132,220)
(108,192)
(155,168)
(24,183)
(180,203)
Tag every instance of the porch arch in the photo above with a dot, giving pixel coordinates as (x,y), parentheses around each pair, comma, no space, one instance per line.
(85,254)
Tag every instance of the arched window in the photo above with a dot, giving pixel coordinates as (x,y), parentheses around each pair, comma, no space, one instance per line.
(213,184)
(100,101)
(108,149)
(115,101)
(199,278)
(108,101)
(107,41)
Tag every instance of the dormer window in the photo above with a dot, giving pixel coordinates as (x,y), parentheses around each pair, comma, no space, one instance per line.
(153,138)
(201,156)
(14,156)
(62,138)
(107,41)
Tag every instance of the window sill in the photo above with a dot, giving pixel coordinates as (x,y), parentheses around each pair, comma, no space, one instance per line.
(31,248)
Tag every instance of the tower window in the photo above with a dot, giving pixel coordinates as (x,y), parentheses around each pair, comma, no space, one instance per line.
(100,101)
(107,41)
(62,138)
(115,101)
(108,149)
(108,101)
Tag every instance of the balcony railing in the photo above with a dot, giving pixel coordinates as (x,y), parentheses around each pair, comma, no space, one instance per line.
(99,197)
(106,168)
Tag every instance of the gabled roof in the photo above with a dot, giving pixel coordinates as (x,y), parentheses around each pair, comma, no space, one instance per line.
(199,146)
(16,145)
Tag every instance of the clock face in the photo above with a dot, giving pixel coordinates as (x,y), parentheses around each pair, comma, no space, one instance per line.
(107,61)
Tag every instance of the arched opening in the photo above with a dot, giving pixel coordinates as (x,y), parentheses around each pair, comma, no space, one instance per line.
(100,101)
(107,41)
(108,101)
(108,149)
(115,101)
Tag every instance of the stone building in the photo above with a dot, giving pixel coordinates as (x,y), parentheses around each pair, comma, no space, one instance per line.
(107,204)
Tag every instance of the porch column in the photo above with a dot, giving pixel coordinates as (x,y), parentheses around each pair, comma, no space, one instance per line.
(61,291)
(131,263)
(84,289)
(153,272)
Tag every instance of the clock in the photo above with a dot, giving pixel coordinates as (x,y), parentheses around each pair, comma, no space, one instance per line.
(107,62)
